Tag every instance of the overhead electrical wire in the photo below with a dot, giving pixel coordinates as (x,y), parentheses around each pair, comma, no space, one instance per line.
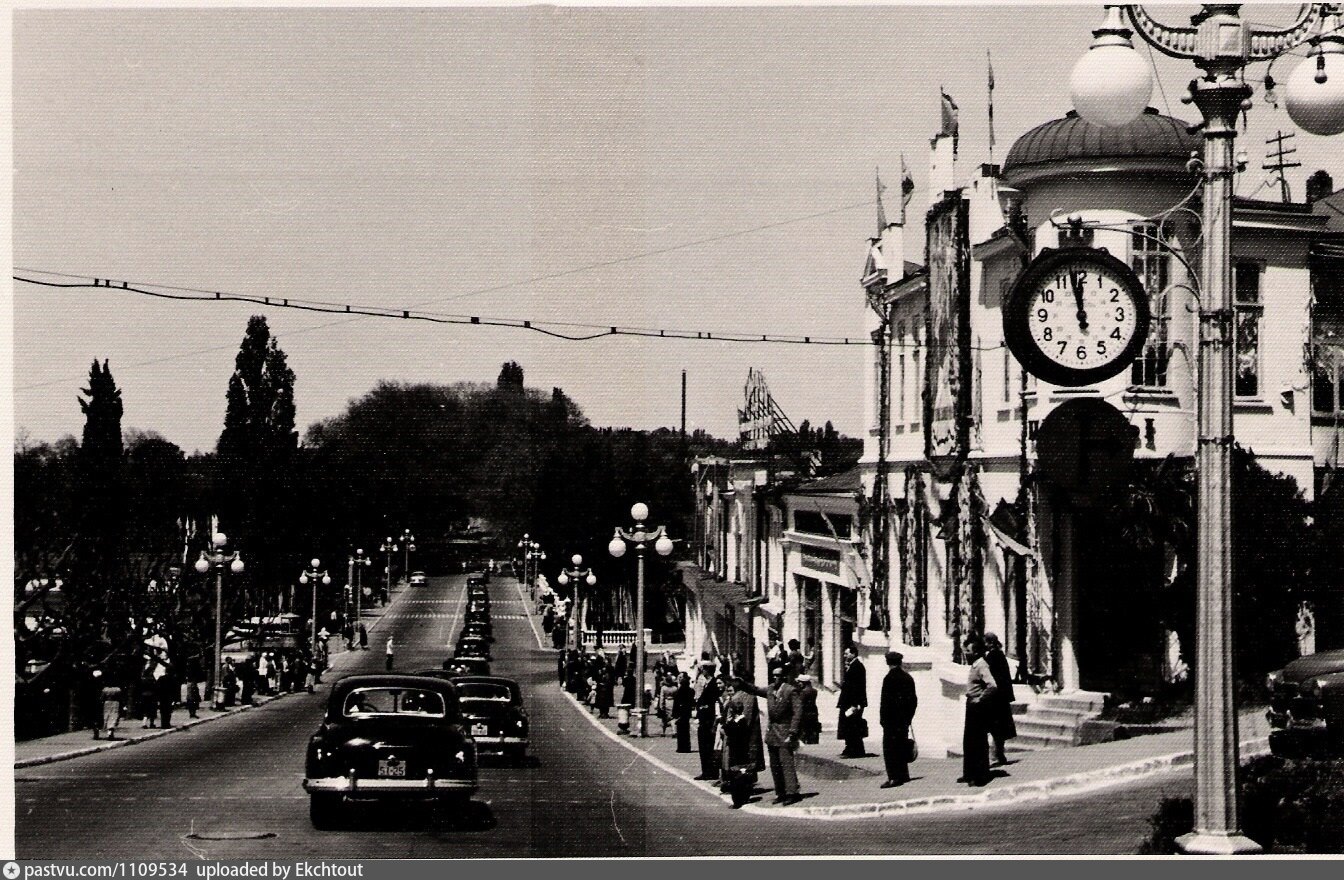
(567,331)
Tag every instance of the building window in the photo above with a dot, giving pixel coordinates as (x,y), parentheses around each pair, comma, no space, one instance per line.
(815,523)
(1327,332)
(1007,375)
(900,417)
(1151,261)
(1248,310)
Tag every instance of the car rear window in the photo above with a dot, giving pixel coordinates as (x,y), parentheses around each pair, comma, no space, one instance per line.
(484,691)
(367,702)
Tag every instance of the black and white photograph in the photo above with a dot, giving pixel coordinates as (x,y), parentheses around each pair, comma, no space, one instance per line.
(631,431)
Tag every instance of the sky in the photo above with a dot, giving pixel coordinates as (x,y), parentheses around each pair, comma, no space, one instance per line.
(414,158)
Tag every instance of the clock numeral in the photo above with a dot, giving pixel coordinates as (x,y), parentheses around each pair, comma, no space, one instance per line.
(1042,315)
(1081,353)
(1048,295)
(1101,347)
(1115,295)
(1115,334)
(1063,345)
(1119,314)
(1048,334)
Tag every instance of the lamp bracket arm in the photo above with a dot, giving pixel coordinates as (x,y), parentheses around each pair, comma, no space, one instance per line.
(1266,44)
(1178,42)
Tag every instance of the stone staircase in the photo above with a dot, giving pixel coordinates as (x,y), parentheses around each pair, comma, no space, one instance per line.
(1055,721)
(1050,721)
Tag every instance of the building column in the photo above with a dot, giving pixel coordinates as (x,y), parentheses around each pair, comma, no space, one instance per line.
(1066,603)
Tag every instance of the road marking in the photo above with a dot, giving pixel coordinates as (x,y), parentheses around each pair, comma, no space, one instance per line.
(522,597)
(461,604)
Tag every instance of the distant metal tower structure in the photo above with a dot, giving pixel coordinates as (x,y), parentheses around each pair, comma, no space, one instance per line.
(760,420)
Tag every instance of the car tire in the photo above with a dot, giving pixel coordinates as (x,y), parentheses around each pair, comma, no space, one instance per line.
(324,811)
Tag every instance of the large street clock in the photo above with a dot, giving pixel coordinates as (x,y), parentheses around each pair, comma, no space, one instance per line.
(1076,316)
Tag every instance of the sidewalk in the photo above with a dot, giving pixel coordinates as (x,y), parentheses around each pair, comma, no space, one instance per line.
(76,743)
(835,788)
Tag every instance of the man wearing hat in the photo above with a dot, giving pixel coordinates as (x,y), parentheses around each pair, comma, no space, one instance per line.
(896,713)
(809,729)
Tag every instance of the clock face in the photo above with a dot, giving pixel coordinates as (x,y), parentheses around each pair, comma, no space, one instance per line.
(1076,316)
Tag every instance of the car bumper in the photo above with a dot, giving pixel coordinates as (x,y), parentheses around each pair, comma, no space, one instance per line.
(1294,736)
(357,787)
(499,743)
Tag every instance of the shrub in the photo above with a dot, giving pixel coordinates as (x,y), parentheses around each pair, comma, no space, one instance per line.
(1288,807)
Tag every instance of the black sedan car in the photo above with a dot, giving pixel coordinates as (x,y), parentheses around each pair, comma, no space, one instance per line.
(467,666)
(479,629)
(389,737)
(1306,710)
(492,708)
(477,616)
(472,646)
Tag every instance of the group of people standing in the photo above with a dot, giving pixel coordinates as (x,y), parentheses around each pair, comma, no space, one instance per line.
(729,736)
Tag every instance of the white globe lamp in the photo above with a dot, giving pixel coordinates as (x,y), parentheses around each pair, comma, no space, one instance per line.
(1112,83)
(1314,94)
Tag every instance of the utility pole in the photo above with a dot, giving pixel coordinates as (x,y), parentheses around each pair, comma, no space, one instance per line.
(1278,165)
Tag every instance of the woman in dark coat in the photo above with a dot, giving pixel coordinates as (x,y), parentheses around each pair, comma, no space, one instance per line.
(744,744)
(1001,725)
(683,704)
(606,687)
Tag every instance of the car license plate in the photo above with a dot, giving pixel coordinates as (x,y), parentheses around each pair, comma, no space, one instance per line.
(391,768)
(480,730)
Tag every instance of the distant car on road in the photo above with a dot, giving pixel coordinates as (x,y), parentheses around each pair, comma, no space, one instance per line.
(387,737)
(477,628)
(472,646)
(418,579)
(1306,711)
(492,709)
(477,615)
(466,666)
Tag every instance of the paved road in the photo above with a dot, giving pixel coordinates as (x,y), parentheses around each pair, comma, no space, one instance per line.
(584,795)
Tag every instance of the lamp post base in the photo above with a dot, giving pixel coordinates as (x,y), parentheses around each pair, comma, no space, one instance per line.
(1206,844)
(639,722)
(219,697)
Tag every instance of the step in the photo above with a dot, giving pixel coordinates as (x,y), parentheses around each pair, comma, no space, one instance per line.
(1037,727)
(1074,702)
(1063,716)
(1036,743)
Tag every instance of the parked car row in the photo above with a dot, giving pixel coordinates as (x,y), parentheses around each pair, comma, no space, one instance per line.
(417,737)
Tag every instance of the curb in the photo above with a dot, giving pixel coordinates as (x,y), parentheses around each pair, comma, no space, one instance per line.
(1063,786)
(107,745)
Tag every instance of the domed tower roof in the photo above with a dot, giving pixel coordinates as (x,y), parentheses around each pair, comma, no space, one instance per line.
(1072,146)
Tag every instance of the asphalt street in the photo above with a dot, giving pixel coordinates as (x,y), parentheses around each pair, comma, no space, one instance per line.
(232,788)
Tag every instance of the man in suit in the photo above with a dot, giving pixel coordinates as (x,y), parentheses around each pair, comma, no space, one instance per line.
(707,717)
(784,710)
(853,700)
(896,712)
(1001,725)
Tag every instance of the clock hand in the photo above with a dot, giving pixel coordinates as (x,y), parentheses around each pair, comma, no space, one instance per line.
(1076,279)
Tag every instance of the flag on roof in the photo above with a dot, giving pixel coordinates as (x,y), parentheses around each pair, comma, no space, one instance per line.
(881,213)
(950,126)
(989,62)
(907,188)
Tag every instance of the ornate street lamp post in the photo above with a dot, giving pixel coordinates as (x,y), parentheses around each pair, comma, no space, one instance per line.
(388,547)
(311,575)
(578,575)
(407,545)
(217,559)
(358,563)
(533,556)
(1110,86)
(639,536)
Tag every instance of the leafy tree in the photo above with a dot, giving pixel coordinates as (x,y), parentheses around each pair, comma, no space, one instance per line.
(256,455)
(510,377)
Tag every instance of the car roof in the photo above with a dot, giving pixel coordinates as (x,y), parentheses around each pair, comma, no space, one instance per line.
(487,679)
(345,686)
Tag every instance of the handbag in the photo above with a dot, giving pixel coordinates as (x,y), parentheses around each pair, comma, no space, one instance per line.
(911,747)
(861,727)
